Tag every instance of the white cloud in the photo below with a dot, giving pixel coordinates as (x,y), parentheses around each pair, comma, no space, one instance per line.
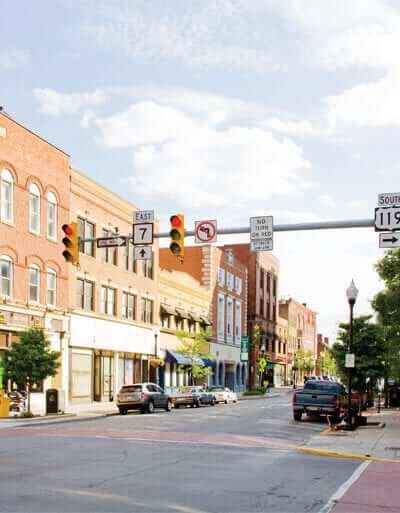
(57,104)
(289,127)
(208,34)
(11,58)
(327,200)
(181,158)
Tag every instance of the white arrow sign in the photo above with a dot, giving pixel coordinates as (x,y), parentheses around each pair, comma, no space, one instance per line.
(111,242)
(389,240)
(143,253)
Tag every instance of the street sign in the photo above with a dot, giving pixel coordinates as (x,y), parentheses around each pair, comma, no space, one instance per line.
(244,349)
(349,361)
(261,227)
(387,219)
(141,216)
(389,199)
(111,242)
(389,240)
(143,233)
(262,245)
(143,253)
(205,231)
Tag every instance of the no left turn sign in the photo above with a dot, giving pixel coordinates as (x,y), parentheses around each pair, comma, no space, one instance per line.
(205,231)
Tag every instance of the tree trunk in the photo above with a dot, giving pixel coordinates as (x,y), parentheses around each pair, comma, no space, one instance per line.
(28,397)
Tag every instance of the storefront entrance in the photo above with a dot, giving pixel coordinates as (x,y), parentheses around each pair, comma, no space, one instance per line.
(103,376)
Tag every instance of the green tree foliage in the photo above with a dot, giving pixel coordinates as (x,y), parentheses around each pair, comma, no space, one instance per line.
(387,306)
(194,347)
(368,348)
(30,360)
(327,363)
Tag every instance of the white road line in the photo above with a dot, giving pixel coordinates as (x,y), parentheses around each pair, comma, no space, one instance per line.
(344,487)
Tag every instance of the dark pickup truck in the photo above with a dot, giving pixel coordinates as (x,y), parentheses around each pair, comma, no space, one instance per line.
(319,398)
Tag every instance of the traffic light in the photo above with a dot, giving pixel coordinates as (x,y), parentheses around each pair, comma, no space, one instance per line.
(177,234)
(71,243)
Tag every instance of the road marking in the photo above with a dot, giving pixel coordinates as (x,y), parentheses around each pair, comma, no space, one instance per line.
(344,487)
(344,455)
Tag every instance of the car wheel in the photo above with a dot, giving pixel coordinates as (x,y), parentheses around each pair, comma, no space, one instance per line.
(226,401)
(177,406)
(212,402)
(142,410)
(168,407)
(297,415)
(150,407)
(123,411)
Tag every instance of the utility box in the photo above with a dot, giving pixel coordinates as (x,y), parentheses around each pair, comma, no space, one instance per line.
(51,401)
(4,404)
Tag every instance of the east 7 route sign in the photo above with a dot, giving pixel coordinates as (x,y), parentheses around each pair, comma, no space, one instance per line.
(387,219)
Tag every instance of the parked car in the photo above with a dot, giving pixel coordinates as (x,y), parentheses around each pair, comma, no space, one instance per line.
(223,394)
(145,397)
(17,401)
(204,396)
(319,398)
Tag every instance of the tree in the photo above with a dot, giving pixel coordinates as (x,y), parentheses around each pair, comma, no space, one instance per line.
(368,348)
(308,362)
(256,338)
(194,347)
(387,306)
(30,360)
(327,363)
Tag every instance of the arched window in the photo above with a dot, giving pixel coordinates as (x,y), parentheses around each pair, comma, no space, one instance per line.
(7,196)
(51,216)
(51,287)
(34,283)
(34,208)
(6,276)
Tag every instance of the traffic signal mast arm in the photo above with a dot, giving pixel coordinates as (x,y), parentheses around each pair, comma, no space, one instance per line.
(326,225)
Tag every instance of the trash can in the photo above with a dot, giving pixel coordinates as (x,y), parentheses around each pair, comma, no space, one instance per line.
(4,404)
(51,401)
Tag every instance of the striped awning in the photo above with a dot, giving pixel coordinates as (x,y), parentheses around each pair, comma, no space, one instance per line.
(181,312)
(166,309)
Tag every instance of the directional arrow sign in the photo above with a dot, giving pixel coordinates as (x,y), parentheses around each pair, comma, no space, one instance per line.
(389,240)
(111,242)
(143,253)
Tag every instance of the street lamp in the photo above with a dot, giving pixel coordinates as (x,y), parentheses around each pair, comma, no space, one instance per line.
(156,332)
(351,293)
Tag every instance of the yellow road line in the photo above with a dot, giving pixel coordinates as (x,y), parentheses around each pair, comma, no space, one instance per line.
(344,455)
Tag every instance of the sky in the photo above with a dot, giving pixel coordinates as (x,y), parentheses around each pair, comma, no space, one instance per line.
(225,109)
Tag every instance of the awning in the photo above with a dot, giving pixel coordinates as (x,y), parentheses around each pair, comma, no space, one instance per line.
(181,359)
(205,320)
(195,317)
(166,309)
(208,363)
(181,312)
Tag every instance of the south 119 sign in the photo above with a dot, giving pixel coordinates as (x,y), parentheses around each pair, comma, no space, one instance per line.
(387,219)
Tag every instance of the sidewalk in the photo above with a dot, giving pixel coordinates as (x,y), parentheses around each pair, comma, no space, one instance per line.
(375,491)
(372,441)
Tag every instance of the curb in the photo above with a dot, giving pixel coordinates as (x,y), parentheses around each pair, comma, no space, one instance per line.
(253,397)
(344,455)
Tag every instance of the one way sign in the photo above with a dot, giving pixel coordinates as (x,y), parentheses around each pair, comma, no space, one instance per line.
(389,240)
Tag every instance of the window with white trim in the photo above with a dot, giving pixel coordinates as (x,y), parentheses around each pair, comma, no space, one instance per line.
(221,317)
(51,216)
(238,285)
(221,277)
(128,306)
(7,196)
(51,287)
(107,300)
(6,275)
(229,281)
(238,320)
(34,283)
(34,208)
(229,319)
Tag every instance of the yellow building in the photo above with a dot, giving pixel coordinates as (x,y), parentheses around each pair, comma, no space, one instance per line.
(184,306)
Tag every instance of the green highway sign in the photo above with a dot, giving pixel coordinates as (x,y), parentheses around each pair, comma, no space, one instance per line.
(244,349)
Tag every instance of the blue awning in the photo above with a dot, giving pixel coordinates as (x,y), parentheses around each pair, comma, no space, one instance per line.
(208,363)
(179,358)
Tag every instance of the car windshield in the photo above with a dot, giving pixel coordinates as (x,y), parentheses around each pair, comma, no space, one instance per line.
(131,388)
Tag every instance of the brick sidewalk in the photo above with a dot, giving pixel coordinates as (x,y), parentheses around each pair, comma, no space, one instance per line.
(377,490)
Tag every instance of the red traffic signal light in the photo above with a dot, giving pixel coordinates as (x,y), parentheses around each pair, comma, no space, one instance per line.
(177,234)
(71,243)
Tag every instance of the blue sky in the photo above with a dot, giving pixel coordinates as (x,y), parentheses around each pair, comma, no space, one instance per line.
(279,107)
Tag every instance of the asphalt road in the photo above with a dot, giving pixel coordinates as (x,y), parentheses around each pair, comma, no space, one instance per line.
(228,458)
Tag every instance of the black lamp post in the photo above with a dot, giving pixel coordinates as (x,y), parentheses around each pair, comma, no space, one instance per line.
(351,293)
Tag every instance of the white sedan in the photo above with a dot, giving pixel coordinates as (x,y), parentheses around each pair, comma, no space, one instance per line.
(223,395)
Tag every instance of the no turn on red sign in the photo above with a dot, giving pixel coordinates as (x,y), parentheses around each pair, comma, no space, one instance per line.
(205,231)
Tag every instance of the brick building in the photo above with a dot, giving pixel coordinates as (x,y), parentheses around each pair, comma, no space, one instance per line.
(225,277)
(322,346)
(263,278)
(34,198)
